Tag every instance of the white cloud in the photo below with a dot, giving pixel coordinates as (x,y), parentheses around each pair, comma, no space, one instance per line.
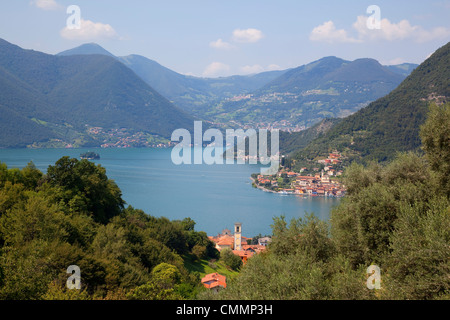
(216,69)
(399,31)
(273,67)
(46,4)
(89,31)
(392,62)
(256,68)
(220,44)
(252,69)
(247,36)
(388,31)
(327,32)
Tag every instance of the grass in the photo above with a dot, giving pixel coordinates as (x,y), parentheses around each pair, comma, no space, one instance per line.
(203,267)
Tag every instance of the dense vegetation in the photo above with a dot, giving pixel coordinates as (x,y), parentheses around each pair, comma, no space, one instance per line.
(75,215)
(395,216)
(291,142)
(389,124)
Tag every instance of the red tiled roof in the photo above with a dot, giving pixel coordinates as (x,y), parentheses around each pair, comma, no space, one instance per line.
(213,280)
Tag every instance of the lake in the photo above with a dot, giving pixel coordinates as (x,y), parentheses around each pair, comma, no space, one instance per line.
(215,196)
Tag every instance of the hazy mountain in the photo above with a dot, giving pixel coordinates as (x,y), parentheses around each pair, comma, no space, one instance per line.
(404,69)
(64,96)
(391,123)
(88,48)
(187,92)
(329,87)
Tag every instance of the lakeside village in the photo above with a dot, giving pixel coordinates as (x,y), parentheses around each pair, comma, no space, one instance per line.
(307,182)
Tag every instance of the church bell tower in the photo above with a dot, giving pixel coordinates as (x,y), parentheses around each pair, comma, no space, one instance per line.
(237,236)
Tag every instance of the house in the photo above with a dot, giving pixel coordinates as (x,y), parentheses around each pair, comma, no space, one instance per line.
(325,179)
(214,281)
(291,174)
(226,241)
(334,155)
(264,241)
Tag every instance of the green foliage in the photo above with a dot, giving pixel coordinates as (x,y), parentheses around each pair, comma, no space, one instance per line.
(86,188)
(363,223)
(231,260)
(74,215)
(435,134)
(418,267)
(162,286)
(56,292)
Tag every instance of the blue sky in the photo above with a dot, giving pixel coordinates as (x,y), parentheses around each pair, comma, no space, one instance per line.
(223,37)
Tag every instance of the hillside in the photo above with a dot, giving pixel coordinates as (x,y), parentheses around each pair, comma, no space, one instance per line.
(301,97)
(66,96)
(292,142)
(391,123)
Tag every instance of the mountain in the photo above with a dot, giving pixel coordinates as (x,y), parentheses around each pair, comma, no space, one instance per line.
(391,123)
(288,99)
(404,69)
(186,92)
(64,97)
(189,92)
(87,48)
(301,97)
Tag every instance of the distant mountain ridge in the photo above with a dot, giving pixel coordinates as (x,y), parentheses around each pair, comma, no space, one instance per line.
(187,92)
(326,88)
(320,88)
(61,97)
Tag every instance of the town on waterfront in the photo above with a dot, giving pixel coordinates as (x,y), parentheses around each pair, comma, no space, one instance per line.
(323,180)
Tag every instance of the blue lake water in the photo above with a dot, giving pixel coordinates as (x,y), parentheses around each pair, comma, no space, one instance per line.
(215,196)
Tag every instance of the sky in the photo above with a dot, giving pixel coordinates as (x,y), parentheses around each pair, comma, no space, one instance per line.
(212,38)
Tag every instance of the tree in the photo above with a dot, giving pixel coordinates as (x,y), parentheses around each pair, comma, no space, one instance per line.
(419,267)
(435,134)
(230,259)
(86,188)
(164,278)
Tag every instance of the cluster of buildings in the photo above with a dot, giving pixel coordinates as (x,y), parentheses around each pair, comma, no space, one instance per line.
(122,138)
(319,183)
(238,244)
